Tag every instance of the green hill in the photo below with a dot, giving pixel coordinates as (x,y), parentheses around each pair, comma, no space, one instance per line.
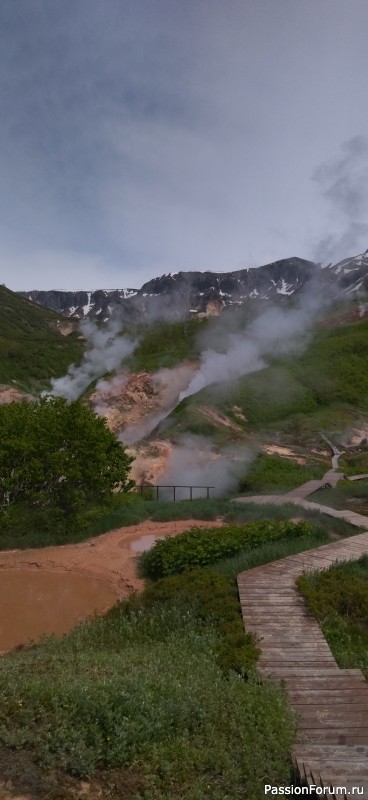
(325,388)
(165,344)
(32,348)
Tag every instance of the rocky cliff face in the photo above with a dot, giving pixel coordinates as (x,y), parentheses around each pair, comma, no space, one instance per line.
(80,305)
(207,293)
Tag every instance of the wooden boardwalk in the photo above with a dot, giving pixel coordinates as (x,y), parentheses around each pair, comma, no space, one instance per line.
(332,703)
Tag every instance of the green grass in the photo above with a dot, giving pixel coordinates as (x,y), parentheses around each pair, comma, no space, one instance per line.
(324,388)
(165,344)
(355,463)
(145,688)
(32,528)
(347,494)
(131,510)
(271,551)
(270,473)
(31,348)
(338,598)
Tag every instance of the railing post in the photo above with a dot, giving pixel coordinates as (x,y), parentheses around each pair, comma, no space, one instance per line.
(156,492)
(208,492)
(174,487)
(191,492)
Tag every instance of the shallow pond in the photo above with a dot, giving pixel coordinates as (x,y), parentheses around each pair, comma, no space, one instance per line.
(35,603)
(143,542)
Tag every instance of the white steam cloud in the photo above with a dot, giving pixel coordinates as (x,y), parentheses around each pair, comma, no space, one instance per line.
(107,390)
(196,462)
(167,385)
(343,182)
(276,330)
(105,351)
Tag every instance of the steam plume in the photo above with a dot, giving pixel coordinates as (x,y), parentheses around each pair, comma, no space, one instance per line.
(276,329)
(196,462)
(343,182)
(166,384)
(104,352)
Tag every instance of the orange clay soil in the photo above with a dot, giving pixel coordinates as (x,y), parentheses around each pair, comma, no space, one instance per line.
(111,557)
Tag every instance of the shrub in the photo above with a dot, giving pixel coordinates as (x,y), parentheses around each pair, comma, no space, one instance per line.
(213,599)
(338,598)
(57,459)
(143,686)
(200,548)
(335,591)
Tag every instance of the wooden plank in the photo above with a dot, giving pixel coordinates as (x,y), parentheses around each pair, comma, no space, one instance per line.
(332,704)
(327,696)
(301,671)
(333,718)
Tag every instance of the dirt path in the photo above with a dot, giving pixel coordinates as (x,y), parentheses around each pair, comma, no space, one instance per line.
(111,557)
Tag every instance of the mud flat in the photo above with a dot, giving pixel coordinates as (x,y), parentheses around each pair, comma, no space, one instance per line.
(50,590)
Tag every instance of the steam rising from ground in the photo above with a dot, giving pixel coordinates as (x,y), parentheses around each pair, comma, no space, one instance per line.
(105,352)
(167,384)
(276,330)
(343,182)
(196,462)
(108,390)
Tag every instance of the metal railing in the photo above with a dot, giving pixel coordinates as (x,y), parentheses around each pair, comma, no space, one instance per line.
(156,487)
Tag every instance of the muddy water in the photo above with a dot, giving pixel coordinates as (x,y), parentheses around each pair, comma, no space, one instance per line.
(143,542)
(36,603)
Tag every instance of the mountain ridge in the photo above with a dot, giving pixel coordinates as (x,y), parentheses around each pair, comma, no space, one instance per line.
(207,293)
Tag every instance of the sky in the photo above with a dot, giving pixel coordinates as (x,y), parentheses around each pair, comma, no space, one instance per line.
(141,137)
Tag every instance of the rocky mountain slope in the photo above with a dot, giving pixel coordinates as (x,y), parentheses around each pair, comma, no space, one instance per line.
(207,293)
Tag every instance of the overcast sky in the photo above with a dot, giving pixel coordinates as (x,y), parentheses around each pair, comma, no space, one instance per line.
(141,137)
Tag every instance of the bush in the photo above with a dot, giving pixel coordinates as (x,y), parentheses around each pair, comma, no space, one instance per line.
(213,599)
(338,598)
(338,591)
(142,686)
(57,459)
(199,548)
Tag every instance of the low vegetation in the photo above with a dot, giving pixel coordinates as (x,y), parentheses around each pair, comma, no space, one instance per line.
(199,548)
(355,462)
(270,473)
(32,349)
(165,344)
(324,388)
(145,689)
(32,528)
(270,551)
(130,509)
(338,598)
(347,494)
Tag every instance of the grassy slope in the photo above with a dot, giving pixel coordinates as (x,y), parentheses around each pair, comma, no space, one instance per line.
(165,344)
(31,348)
(144,689)
(326,388)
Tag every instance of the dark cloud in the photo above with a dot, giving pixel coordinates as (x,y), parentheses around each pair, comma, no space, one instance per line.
(139,138)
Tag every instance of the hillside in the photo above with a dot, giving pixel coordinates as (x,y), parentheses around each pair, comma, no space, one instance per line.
(291,400)
(35,343)
(286,404)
